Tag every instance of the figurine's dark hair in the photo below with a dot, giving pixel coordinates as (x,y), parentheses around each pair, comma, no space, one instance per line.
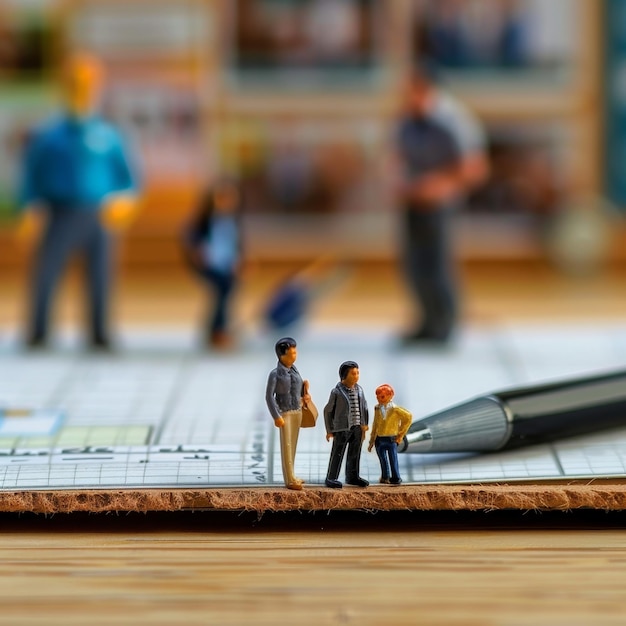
(345,367)
(426,70)
(206,207)
(282,345)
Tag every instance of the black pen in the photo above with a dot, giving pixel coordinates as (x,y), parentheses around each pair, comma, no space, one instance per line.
(523,416)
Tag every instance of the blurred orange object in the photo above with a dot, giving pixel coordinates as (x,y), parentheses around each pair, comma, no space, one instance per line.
(119,211)
(29,226)
(82,83)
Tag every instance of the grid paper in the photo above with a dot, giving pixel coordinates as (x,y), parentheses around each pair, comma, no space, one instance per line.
(160,414)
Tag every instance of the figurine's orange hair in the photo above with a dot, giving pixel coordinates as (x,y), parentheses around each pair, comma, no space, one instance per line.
(386,387)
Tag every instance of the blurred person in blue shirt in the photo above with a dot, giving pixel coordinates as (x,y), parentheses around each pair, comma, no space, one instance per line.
(77,179)
(213,247)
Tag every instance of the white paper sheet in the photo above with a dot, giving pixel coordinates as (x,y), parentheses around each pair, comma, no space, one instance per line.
(159,414)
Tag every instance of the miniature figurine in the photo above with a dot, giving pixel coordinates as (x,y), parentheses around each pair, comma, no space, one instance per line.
(391,424)
(346,418)
(212,243)
(441,158)
(80,184)
(285,394)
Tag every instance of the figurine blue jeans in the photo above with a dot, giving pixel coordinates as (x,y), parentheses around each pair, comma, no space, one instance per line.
(387,451)
(68,232)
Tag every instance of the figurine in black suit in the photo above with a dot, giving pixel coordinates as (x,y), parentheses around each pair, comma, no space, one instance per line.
(346,418)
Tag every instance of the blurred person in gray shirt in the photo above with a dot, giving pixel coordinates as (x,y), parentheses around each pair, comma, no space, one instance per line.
(440,158)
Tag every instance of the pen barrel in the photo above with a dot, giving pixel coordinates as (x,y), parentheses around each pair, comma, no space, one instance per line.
(559,410)
(478,425)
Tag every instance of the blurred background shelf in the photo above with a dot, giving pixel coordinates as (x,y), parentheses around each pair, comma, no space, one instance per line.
(210,87)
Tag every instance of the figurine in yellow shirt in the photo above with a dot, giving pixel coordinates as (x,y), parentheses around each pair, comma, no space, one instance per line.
(391,424)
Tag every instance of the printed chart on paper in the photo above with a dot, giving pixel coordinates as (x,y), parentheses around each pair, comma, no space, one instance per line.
(153,417)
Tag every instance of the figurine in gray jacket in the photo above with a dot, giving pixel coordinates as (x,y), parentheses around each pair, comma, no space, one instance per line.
(284,395)
(346,418)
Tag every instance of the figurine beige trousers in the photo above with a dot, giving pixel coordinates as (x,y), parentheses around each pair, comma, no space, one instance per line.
(288,443)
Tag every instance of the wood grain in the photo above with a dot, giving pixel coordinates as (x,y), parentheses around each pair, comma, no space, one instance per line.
(354,568)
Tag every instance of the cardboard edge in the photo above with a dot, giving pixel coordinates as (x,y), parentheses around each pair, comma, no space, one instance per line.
(608,496)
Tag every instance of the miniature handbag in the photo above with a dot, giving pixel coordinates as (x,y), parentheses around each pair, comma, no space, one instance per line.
(309,415)
(309,410)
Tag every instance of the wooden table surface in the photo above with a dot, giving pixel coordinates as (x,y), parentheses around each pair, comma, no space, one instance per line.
(470,568)
(304,568)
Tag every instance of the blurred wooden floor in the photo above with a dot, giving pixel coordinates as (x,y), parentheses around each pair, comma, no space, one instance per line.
(368,293)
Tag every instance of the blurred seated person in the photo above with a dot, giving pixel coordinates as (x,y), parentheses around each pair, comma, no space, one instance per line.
(213,247)
(79,186)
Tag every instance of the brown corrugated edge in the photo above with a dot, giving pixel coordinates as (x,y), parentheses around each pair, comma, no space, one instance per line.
(603,495)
